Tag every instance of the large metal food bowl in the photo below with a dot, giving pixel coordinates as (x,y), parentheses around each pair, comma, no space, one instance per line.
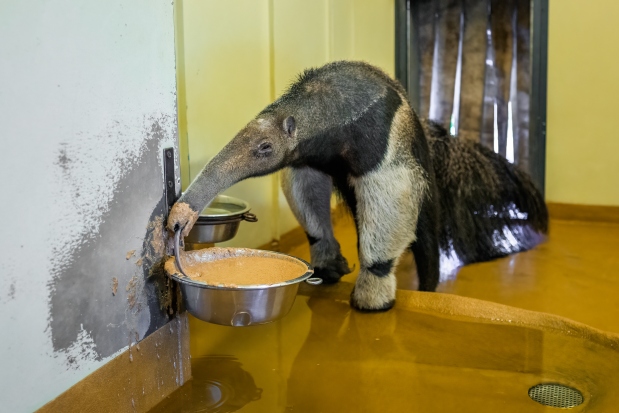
(242,305)
(220,220)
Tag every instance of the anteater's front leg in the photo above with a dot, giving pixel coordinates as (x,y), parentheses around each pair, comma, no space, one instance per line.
(388,203)
(308,192)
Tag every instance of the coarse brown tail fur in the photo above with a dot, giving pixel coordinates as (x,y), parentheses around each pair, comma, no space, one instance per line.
(489,207)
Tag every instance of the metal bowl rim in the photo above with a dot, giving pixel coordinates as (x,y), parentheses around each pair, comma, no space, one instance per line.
(217,220)
(226,199)
(310,271)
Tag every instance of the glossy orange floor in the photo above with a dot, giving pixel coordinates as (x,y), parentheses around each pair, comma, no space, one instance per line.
(574,274)
(432,352)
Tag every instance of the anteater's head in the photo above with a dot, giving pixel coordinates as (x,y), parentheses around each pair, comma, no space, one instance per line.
(265,145)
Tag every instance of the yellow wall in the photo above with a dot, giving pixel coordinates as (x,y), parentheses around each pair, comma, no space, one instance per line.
(239,55)
(583,100)
(226,68)
(236,56)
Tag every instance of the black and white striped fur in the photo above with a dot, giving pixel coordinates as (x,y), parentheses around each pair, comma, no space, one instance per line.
(372,150)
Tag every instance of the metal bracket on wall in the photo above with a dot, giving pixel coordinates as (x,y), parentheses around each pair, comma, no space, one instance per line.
(170,178)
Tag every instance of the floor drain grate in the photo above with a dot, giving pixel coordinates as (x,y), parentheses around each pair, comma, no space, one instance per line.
(556,395)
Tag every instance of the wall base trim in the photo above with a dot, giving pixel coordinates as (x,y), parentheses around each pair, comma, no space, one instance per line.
(137,379)
(578,212)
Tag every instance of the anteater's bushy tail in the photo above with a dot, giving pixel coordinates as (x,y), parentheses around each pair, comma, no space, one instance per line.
(489,207)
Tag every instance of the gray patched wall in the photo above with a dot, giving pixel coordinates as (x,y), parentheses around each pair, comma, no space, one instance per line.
(87,105)
(105,285)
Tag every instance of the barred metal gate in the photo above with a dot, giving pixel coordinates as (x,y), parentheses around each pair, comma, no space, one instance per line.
(479,68)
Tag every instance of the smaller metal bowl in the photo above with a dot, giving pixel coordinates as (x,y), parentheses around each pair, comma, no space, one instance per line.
(220,220)
(242,305)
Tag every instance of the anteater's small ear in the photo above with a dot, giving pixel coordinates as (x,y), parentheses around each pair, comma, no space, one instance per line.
(290,126)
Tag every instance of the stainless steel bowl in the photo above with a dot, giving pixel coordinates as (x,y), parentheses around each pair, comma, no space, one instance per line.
(241,305)
(220,220)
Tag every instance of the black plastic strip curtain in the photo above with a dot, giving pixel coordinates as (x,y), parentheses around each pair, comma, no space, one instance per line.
(474,70)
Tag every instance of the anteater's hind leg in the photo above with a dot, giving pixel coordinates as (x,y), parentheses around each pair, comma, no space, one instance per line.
(388,202)
(426,247)
(308,192)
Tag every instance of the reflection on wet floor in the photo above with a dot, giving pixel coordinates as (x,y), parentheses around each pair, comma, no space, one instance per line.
(325,357)
(219,385)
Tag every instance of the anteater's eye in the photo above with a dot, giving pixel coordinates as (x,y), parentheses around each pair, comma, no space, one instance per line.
(265,148)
